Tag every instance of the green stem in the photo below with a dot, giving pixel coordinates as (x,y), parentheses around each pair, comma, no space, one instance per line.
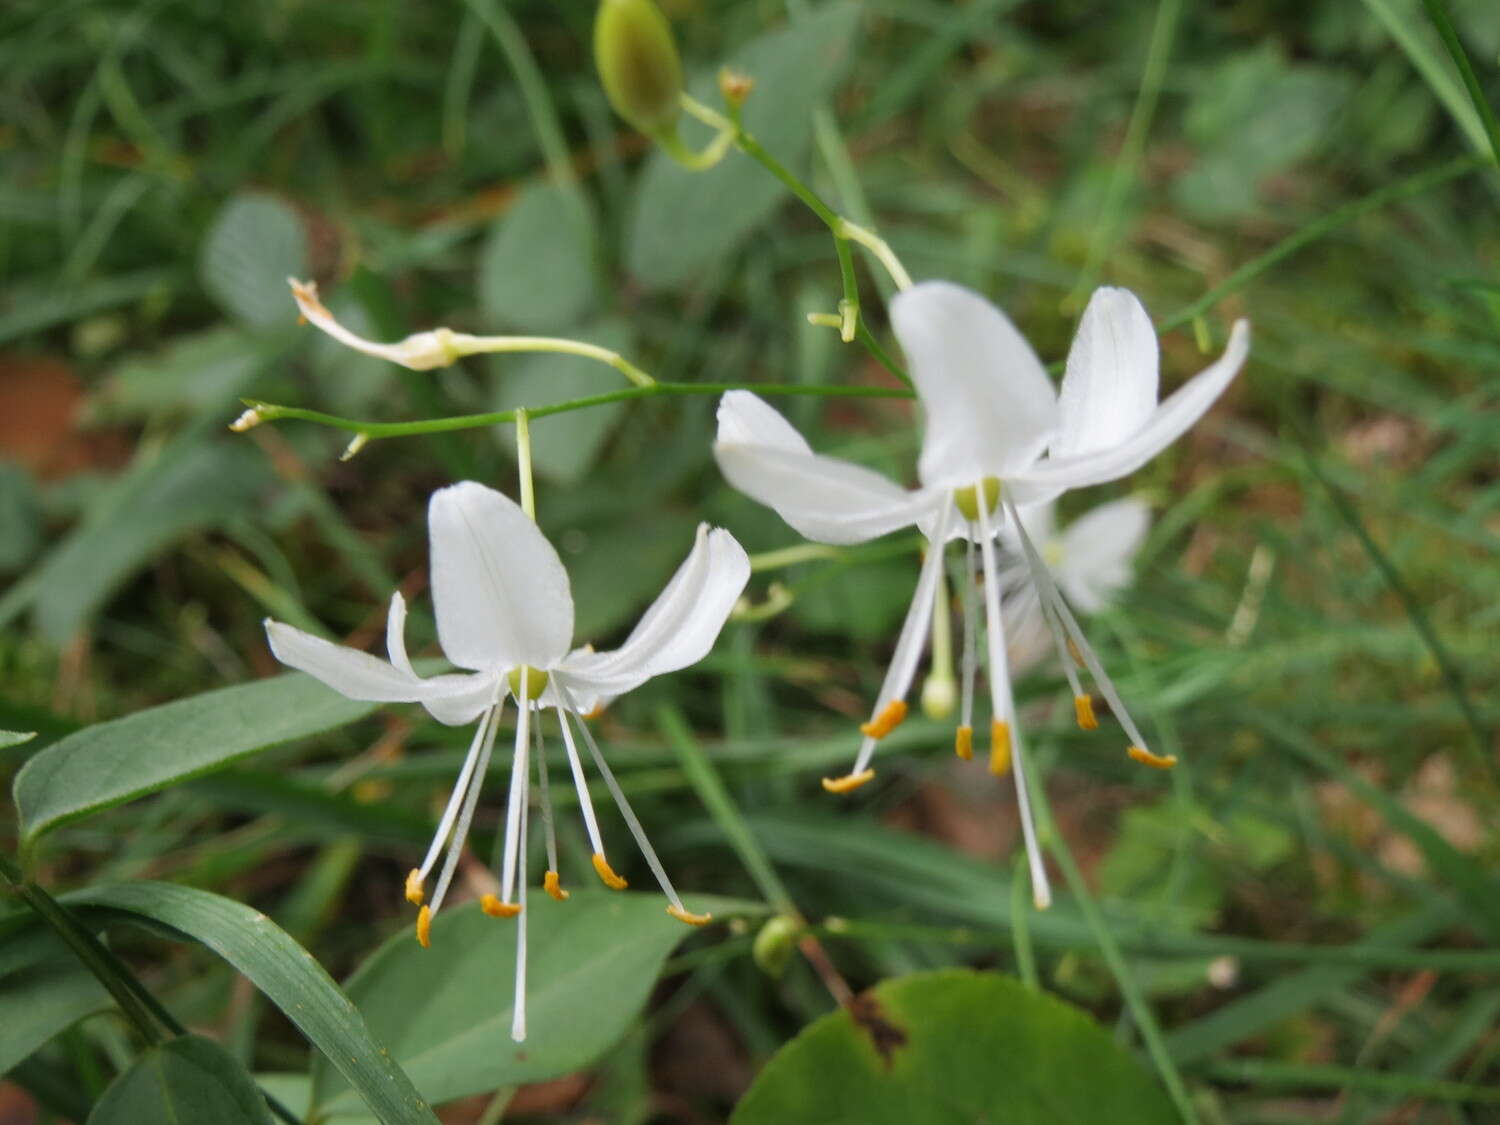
(270,412)
(1437,11)
(523,461)
(1020,927)
(1413,185)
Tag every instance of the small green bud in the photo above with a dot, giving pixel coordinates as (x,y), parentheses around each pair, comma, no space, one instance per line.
(775,944)
(638,64)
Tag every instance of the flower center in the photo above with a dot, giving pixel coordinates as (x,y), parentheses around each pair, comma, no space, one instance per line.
(536,681)
(967,498)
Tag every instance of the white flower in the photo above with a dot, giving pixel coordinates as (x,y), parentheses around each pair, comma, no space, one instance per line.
(505,612)
(997,435)
(1091,560)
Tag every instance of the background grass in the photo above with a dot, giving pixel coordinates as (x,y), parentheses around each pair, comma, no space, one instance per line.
(1304,901)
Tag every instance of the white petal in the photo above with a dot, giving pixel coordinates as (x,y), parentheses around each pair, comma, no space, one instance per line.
(395,634)
(823,498)
(1169,422)
(457,700)
(1041,525)
(347,671)
(991,409)
(1097,552)
(1109,388)
(499,590)
(421,352)
(681,625)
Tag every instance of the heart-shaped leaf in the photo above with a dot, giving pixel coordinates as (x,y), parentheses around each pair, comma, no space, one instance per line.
(255,243)
(185,1079)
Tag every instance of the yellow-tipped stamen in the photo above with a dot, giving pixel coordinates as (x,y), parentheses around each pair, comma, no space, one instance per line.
(553,886)
(963,743)
(1076,653)
(424,927)
(1155,761)
(594,712)
(414,892)
(1083,708)
(847,783)
(689,917)
(497,909)
(891,716)
(607,873)
(999,747)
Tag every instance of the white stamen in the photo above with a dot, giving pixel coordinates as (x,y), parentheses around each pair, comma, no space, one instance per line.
(518,1018)
(520,783)
(1047,587)
(490,717)
(579,781)
(971,636)
(541,770)
(467,815)
(619,795)
(913,636)
(1003,706)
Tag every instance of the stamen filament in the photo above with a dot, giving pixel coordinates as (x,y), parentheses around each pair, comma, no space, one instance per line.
(631,821)
(580,783)
(518,1020)
(549,832)
(1003,707)
(466,815)
(455,800)
(971,638)
(520,790)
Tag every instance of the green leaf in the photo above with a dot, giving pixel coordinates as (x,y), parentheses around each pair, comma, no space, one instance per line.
(536,271)
(20,517)
(953,1046)
(253,245)
(607,595)
(186,1079)
(289,977)
(446,1011)
(110,763)
(42,1000)
(202,371)
(9,738)
(683,220)
(187,487)
(563,446)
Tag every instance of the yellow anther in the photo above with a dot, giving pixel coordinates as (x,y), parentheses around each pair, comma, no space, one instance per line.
(690,918)
(551,885)
(967,498)
(963,743)
(536,682)
(1155,761)
(1083,708)
(424,927)
(890,717)
(607,874)
(594,712)
(848,782)
(497,909)
(999,747)
(414,893)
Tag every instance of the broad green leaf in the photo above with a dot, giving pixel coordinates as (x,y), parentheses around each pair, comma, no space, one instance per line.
(295,1092)
(110,763)
(289,977)
(446,1011)
(206,370)
(20,517)
(953,1046)
(537,268)
(609,596)
(187,1079)
(253,245)
(9,738)
(40,1001)
(683,220)
(563,446)
(191,485)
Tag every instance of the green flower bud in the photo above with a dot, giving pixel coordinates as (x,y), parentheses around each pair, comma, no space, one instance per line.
(638,64)
(774,945)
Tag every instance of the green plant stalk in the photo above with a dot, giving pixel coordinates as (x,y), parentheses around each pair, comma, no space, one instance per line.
(1020,928)
(1437,11)
(1311,232)
(270,412)
(1262,1073)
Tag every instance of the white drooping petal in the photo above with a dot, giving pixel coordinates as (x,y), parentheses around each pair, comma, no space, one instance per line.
(421,352)
(499,590)
(681,625)
(347,671)
(822,498)
(1109,388)
(1167,423)
(991,409)
(455,700)
(1097,551)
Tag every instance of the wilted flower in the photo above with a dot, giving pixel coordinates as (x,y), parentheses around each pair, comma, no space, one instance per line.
(505,611)
(998,435)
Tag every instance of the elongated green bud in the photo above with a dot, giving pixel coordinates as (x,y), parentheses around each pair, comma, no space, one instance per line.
(774,945)
(638,64)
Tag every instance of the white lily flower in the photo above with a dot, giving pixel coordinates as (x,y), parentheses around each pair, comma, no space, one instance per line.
(505,611)
(1091,559)
(997,435)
